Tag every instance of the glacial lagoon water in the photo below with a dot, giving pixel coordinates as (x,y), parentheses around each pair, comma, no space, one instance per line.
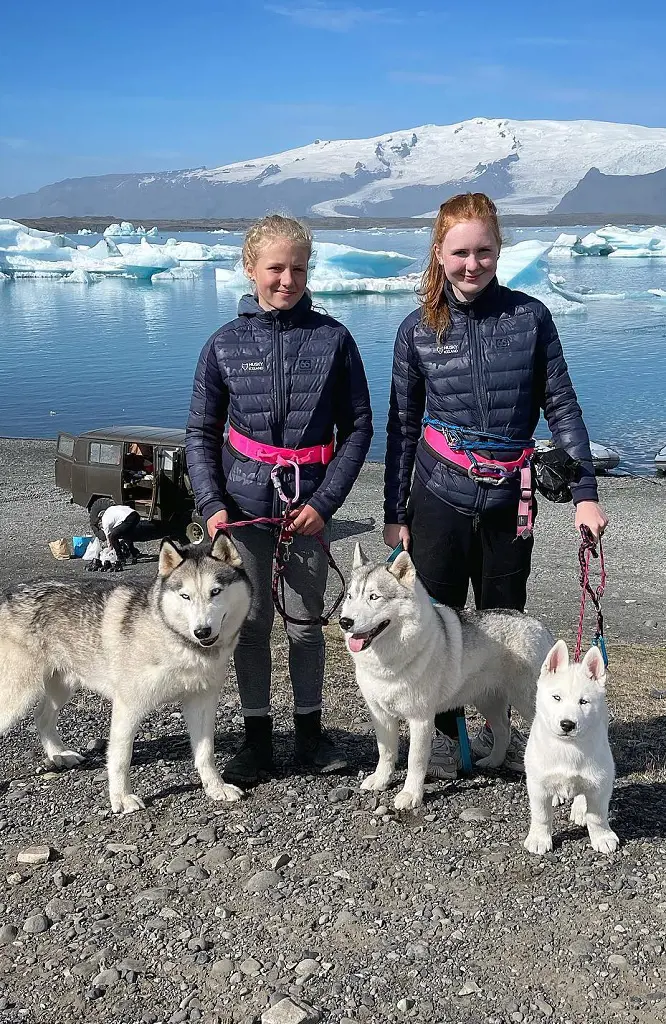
(121,351)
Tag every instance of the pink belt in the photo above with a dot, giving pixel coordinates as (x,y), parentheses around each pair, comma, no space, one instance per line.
(318,454)
(490,471)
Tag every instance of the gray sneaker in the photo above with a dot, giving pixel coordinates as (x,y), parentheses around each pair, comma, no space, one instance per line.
(482,745)
(444,757)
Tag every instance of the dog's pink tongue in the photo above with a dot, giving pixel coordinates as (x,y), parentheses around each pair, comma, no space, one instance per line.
(355,644)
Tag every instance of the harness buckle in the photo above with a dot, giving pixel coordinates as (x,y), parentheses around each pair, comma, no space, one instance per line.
(283,463)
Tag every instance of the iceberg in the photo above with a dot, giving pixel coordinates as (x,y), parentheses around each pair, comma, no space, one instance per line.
(518,264)
(85,231)
(359,262)
(612,241)
(196,252)
(126,228)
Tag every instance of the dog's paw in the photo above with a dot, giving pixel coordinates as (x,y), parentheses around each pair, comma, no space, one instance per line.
(127,803)
(66,759)
(605,842)
(224,792)
(579,810)
(377,781)
(406,801)
(539,843)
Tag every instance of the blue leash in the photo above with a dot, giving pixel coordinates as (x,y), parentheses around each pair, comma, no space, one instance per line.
(461,723)
(467,439)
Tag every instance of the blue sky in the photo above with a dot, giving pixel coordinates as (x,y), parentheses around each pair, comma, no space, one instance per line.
(100,88)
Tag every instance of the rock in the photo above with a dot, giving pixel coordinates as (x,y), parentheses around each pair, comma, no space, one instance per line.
(475,814)
(35,855)
(339,794)
(8,933)
(250,967)
(290,1011)
(121,847)
(307,966)
(106,978)
(130,963)
(261,881)
(216,856)
(58,908)
(405,1004)
(94,746)
(581,947)
(60,879)
(159,894)
(617,960)
(470,988)
(36,924)
(545,1007)
(178,865)
(280,861)
(14,878)
(221,969)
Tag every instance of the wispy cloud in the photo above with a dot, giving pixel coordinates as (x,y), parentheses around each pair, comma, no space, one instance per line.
(320,15)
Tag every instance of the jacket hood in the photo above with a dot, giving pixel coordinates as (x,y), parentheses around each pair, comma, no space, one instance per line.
(248,306)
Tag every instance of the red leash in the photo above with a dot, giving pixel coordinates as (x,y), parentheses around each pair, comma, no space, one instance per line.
(281,557)
(588,550)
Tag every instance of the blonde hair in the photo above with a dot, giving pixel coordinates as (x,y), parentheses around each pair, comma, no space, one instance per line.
(467,206)
(269,228)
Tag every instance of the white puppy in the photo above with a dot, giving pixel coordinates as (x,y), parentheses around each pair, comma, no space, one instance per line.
(568,754)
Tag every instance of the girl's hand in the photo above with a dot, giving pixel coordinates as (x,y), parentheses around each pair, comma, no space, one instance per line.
(212,524)
(395,534)
(591,514)
(306,521)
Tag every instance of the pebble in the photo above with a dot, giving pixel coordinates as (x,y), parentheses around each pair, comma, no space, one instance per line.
(280,861)
(36,923)
(14,878)
(106,978)
(178,865)
(470,988)
(290,1011)
(131,964)
(308,966)
(8,933)
(35,855)
(250,967)
(546,1008)
(404,1005)
(475,814)
(261,881)
(339,794)
(617,960)
(581,947)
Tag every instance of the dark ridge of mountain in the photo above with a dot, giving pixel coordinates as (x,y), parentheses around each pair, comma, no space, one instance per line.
(639,196)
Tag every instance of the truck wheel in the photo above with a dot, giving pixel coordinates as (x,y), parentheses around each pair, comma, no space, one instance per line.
(98,506)
(195,533)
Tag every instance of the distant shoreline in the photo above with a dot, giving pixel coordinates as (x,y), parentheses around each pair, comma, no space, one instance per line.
(98,224)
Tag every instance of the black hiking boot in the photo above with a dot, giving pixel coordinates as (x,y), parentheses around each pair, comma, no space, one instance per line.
(314,748)
(254,760)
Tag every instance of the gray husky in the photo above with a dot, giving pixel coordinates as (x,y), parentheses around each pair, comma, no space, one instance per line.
(414,658)
(138,646)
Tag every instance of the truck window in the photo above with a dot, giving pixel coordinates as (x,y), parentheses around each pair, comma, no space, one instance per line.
(66,445)
(105,453)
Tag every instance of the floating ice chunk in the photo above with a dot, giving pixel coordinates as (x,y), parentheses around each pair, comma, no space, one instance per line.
(625,238)
(126,228)
(593,244)
(10,229)
(85,231)
(176,274)
(336,285)
(359,262)
(153,233)
(79,277)
(196,252)
(659,292)
(518,265)
(104,248)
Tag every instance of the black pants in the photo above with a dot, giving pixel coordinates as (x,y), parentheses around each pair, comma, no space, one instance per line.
(450,549)
(124,532)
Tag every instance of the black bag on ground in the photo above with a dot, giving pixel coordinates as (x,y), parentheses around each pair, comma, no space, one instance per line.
(554,470)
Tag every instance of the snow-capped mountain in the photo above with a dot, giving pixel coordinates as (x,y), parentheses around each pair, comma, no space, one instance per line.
(527,166)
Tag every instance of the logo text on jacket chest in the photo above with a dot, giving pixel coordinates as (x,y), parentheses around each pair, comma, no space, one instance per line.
(255,364)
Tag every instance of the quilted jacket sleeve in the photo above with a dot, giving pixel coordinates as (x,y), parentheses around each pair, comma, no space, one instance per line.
(562,410)
(205,433)
(353,429)
(406,408)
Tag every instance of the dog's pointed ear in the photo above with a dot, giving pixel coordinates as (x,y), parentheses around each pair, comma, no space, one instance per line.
(170,557)
(360,557)
(224,550)
(403,569)
(593,666)
(557,658)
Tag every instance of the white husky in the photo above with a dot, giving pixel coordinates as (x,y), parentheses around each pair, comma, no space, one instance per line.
(139,646)
(568,754)
(414,658)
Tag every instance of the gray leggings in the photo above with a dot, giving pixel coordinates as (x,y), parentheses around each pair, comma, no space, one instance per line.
(305,585)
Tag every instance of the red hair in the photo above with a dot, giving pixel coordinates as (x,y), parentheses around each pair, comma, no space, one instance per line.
(467,206)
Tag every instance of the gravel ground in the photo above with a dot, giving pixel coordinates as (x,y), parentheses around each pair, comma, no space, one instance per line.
(310,890)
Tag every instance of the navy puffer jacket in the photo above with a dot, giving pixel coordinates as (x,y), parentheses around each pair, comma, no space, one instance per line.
(497,365)
(290,378)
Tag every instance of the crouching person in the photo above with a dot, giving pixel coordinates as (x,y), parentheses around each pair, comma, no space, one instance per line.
(289,383)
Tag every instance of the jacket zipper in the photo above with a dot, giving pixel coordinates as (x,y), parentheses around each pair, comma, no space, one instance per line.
(280,402)
(480,397)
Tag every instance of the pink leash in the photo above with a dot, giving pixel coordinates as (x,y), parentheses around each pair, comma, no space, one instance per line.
(588,550)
